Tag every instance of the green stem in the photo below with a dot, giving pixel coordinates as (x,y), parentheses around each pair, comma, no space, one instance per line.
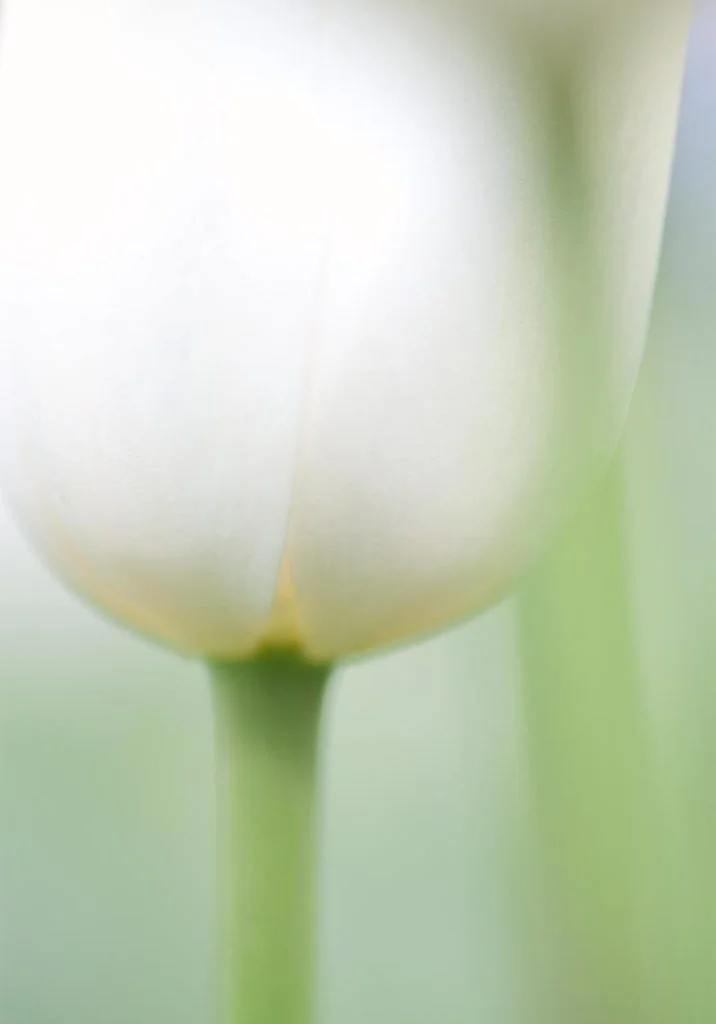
(267,719)
(589,753)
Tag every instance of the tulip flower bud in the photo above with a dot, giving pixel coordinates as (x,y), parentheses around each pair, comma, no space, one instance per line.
(288,289)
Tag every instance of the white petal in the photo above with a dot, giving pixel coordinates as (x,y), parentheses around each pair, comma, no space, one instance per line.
(426,469)
(159,264)
(213,246)
(631,94)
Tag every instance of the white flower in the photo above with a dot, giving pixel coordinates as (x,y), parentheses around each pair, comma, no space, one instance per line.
(281,291)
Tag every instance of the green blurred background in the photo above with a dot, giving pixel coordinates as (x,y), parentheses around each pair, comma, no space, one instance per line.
(462,881)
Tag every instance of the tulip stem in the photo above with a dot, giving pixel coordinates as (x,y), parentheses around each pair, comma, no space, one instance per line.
(267,719)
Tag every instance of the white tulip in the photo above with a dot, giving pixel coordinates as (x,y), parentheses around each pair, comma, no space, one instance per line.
(280,289)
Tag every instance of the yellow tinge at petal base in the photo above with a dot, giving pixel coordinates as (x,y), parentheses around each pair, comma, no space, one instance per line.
(285,293)
(285,628)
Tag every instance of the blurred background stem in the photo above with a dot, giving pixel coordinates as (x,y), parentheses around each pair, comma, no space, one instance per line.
(267,722)
(585,723)
(589,759)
